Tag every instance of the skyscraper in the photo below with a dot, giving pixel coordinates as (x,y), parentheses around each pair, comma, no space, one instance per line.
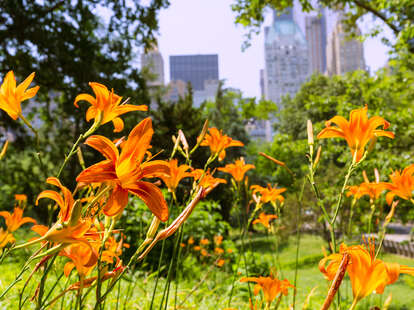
(343,55)
(315,27)
(195,69)
(286,65)
(286,58)
(152,59)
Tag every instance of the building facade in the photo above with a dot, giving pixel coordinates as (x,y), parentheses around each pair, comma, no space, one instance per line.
(195,69)
(286,58)
(344,55)
(315,27)
(153,61)
(286,66)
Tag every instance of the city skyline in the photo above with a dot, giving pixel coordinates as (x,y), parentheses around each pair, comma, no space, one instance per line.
(240,69)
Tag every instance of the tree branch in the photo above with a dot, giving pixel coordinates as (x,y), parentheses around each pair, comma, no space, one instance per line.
(377,14)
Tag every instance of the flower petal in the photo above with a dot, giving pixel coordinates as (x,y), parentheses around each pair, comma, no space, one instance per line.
(104,146)
(152,197)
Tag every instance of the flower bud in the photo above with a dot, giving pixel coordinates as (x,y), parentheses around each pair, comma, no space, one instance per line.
(310,132)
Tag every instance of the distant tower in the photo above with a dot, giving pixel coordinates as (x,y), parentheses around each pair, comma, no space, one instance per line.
(316,37)
(201,71)
(286,58)
(286,65)
(195,69)
(344,55)
(152,59)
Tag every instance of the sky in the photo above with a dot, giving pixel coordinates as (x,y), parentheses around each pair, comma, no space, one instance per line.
(207,27)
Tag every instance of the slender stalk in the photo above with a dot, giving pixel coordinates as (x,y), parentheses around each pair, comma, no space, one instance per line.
(351,169)
(158,274)
(108,230)
(351,214)
(298,227)
(43,281)
(354,303)
(371,214)
(336,283)
(73,150)
(79,295)
(37,145)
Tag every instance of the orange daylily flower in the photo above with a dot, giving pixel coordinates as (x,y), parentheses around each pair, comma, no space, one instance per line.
(64,202)
(15,220)
(265,219)
(69,228)
(371,189)
(238,169)
(206,179)
(176,174)
(20,197)
(12,96)
(5,238)
(358,131)
(124,171)
(220,262)
(218,142)
(191,240)
(402,184)
(218,251)
(272,287)
(83,257)
(367,274)
(106,106)
(269,193)
(204,241)
(204,252)
(218,239)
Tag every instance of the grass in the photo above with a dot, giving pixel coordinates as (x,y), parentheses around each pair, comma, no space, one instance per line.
(203,286)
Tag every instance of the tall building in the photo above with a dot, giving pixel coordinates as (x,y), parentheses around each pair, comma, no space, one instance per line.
(152,59)
(343,55)
(286,58)
(315,27)
(286,66)
(195,69)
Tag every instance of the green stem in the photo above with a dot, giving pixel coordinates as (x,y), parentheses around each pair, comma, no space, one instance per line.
(73,150)
(351,168)
(158,274)
(371,214)
(354,303)
(108,231)
(298,221)
(351,214)
(48,266)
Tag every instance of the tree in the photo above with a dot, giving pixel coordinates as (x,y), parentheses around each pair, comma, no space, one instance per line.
(69,43)
(398,15)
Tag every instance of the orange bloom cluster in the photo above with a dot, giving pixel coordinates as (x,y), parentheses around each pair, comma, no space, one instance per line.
(206,179)
(13,222)
(218,142)
(371,189)
(12,96)
(366,272)
(203,247)
(106,106)
(238,169)
(175,175)
(271,286)
(269,193)
(402,184)
(124,171)
(265,219)
(357,132)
